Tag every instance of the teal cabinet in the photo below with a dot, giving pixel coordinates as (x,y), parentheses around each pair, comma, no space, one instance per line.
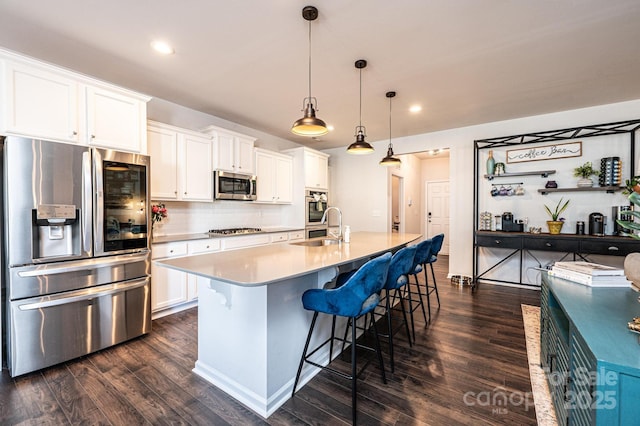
(591,359)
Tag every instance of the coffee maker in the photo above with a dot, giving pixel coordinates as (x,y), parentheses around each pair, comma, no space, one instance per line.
(509,224)
(596,224)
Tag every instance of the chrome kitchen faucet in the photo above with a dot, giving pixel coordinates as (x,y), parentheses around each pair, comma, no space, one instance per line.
(324,219)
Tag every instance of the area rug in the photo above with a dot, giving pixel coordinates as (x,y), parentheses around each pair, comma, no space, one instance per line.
(541,397)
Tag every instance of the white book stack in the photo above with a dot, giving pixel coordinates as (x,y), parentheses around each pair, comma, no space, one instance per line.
(590,274)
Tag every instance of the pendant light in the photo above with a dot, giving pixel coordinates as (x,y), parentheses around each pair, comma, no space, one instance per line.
(309,125)
(390,160)
(360,146)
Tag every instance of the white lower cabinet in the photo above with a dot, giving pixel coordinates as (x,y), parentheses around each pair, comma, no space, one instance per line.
(168,286)
(171,288)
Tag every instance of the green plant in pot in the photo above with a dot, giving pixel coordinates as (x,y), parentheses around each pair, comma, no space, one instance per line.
(585,172)
(555,224)
(632,226)
(631,185)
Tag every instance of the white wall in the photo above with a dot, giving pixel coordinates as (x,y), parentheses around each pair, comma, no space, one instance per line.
(360,184)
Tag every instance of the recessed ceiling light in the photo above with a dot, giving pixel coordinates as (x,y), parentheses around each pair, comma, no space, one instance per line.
(162,47)
(415,108)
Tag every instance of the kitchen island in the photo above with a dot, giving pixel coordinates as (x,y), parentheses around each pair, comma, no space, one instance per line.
(251,323)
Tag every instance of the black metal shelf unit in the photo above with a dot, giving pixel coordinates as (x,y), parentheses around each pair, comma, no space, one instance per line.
(621,127)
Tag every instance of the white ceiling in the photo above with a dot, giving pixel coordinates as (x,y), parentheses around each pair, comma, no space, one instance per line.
(465,61)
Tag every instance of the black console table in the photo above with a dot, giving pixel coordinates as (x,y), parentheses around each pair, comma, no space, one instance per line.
(523,243)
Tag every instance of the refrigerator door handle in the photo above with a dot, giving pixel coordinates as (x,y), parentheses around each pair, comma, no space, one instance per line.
(87,200)
(88,265)
(78,296)
(98,226)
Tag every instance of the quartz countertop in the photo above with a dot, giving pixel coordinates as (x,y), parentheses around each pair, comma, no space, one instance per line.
(160,239)
(255,266)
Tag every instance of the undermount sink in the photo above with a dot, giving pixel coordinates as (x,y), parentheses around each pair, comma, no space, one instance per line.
(317,242)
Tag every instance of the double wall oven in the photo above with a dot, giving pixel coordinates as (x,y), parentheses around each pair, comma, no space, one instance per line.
(316,202)
(76,250)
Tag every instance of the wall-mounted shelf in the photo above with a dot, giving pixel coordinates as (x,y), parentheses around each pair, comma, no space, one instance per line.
(542,173)
(607,189)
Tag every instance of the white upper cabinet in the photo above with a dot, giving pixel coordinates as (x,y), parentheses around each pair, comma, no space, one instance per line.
(274,173)
(39,103)
(42,101)
(115,120)
(232,152)
(163,149)
(180,164)
(316,169)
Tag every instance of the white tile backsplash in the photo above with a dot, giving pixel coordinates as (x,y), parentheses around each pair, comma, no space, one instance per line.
(192,218)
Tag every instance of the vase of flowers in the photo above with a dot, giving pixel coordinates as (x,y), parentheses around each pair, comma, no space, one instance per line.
(158,212)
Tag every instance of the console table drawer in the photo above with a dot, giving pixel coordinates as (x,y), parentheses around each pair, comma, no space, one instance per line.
(499,241)
(611,248)
(552,244)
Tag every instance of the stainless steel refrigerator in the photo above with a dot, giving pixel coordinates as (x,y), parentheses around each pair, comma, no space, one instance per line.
(76,250)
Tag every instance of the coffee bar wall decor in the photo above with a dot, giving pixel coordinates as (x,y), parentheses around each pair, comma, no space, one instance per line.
(548,152)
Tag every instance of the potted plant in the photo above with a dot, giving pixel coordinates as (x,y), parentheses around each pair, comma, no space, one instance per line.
(585,172)
(555,224)
(632,226)
(632,185)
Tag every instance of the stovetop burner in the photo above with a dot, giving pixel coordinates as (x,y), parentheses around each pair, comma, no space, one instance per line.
(231,231)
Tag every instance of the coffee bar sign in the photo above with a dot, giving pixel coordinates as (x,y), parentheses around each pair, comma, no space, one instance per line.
(549,152)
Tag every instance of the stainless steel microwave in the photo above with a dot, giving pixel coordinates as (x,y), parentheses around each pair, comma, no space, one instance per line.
(234,186)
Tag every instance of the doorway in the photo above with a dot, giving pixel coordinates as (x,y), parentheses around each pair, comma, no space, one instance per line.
(397,211)
(437,206)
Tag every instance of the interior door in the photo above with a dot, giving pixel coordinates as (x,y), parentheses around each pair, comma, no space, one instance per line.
(437,219)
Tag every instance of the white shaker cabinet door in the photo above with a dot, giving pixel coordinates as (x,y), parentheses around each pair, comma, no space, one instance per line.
(40,103)
(197,171)
(115,120)
(163,149)
(244,155)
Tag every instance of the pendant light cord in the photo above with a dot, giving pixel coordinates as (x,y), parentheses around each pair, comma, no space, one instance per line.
(360,97)
(309,61)
(390,144)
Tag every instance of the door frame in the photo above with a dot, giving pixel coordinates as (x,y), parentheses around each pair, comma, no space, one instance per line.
(401,211)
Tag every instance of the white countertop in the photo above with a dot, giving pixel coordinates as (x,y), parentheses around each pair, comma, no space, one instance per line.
(255,266)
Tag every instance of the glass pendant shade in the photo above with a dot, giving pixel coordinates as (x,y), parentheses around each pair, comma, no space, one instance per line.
(309,125)
(360,146)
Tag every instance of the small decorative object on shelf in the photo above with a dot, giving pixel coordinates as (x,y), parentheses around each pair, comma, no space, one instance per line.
(500,169)
(551,184)
(491,163)
(158,212)
(555,224)
(610,171)
(632,185)
(585,172)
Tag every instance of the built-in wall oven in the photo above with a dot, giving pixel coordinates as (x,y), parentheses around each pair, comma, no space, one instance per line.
(316,202)
(76,250)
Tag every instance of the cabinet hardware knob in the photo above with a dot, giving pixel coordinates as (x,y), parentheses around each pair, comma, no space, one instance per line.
(93,136)
(613,248)
(74,133)
(498,241)
(548,244)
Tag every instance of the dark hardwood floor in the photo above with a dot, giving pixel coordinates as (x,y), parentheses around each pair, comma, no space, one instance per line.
(464,364)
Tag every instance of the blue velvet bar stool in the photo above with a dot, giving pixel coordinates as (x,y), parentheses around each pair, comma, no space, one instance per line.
(438,240)
(356,298)
(398,277)
(423,250)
